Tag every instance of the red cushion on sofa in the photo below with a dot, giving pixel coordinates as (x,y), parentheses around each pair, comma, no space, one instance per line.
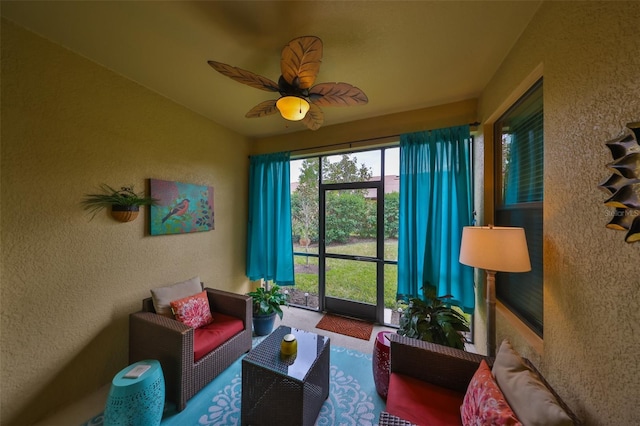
(192,310)
(209,337)
(423,403)
(484,403)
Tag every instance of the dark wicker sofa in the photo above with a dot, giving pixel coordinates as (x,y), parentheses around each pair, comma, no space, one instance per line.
(152,336)
(444,367)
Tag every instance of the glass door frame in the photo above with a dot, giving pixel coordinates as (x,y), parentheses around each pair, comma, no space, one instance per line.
(352,308)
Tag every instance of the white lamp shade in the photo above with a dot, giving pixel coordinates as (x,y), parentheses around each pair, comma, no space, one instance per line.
(496,248)
(292,108)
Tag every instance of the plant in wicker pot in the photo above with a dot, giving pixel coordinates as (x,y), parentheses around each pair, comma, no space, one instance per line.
(266,305)
(124,203)
(433,320)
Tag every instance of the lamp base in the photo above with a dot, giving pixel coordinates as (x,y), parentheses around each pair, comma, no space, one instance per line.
(491,313)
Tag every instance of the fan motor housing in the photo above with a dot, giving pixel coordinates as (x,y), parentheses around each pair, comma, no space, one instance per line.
(287,89)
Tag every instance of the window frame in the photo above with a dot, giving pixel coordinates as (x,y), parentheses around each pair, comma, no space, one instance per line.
(323,184)
(534,322)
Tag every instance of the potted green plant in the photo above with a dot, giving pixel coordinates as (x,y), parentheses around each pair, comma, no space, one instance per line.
(124,203)
(433,320)
(266,305)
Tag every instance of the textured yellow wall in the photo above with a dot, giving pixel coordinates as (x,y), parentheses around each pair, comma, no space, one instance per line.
(590,56)
(68,284)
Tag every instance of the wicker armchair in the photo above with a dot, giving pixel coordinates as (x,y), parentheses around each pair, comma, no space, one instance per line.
(153,336)
(443,366)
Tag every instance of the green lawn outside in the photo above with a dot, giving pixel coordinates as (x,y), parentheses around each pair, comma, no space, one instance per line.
(348,279)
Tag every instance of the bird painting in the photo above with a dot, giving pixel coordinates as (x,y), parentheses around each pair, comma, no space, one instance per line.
(180,209)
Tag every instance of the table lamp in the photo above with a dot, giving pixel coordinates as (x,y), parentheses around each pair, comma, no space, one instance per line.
(494,249)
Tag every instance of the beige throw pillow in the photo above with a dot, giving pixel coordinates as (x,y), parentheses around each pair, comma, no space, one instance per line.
(529,398)
(163,296)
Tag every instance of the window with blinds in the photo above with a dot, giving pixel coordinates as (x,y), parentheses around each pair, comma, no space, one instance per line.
(519,144)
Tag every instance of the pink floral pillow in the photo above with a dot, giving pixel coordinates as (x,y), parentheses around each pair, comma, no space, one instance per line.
(484,403)
(193,310)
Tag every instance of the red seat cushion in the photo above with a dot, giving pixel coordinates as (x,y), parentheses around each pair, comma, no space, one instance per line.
(423,403)
(207,338)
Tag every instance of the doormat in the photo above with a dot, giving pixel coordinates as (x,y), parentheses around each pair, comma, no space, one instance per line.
(347,326)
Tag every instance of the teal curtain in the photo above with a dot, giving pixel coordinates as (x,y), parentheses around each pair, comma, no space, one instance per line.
(269,241)
(435,204)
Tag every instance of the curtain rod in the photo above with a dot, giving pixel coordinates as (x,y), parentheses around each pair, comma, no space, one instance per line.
(474,124)
(345,143)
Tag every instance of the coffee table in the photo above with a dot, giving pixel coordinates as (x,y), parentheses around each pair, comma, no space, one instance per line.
(279,390)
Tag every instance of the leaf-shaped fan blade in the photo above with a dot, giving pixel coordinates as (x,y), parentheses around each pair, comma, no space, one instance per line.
(263,109)
(337,94)
(300,61)
(245,77)
(314,118)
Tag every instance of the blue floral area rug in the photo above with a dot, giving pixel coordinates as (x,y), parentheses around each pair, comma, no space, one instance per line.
(353,399)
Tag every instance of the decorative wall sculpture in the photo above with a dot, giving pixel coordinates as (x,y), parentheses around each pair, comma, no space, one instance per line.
(623,187)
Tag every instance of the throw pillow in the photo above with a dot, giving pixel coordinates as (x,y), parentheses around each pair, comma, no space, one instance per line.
(527,395)
(484,403)
(163,296)
(193,310)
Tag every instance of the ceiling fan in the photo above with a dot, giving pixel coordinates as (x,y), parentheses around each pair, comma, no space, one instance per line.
(299,98)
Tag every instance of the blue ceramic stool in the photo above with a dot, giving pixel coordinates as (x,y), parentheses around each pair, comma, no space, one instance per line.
(136,398)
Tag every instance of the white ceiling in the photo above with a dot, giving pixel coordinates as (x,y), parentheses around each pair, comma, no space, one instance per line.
(404,55)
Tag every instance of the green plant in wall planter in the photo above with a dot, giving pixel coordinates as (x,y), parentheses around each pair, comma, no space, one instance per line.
(266,305)
(432,320)
(124,203)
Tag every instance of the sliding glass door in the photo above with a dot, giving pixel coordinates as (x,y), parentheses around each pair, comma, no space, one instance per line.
(345,222)
(351,252)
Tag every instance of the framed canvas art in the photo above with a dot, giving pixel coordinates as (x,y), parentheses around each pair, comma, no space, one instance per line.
(181,207)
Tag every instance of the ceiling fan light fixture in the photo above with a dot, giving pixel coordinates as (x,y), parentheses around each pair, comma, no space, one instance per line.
(292,108)
(299,66)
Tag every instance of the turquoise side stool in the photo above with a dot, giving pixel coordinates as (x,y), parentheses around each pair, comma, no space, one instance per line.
(136,397)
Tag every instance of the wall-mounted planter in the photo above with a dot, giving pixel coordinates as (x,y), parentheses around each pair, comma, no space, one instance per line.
(623,186)
(124,213)
(123,203)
